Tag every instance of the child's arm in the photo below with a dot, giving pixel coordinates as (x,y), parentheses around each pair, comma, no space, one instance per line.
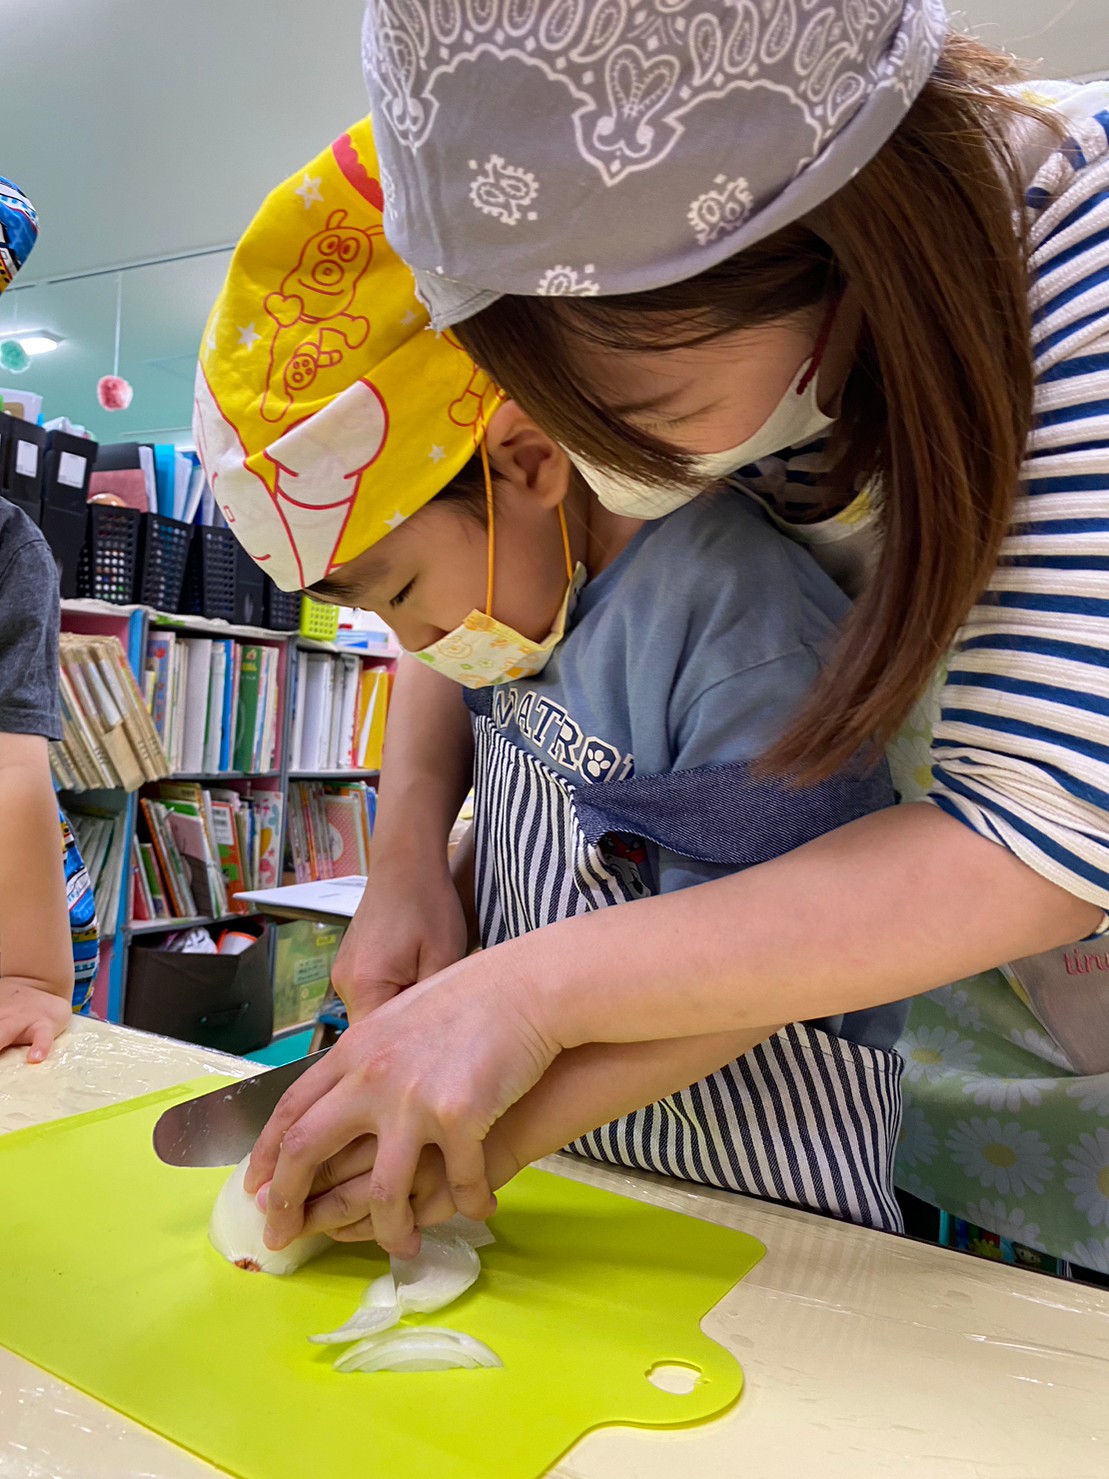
(36,947)
(410,922)
(36,957)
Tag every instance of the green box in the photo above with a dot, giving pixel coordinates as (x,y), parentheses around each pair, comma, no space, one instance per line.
(302,970)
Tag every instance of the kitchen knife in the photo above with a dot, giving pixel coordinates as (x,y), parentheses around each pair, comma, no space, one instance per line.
(220,1128)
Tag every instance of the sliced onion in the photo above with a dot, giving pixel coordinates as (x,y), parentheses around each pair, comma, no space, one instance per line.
(477,1234)
(441,1271)
(377,1311)
(445,1267)
(424,1348)
(236,1228)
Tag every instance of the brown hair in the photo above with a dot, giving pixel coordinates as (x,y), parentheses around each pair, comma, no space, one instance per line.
(937,406)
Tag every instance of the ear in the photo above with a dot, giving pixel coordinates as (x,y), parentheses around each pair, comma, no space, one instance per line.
(524,456)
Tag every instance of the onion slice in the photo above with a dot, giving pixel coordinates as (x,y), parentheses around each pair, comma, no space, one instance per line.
(423,1348)
(441,1271)
(236,1228)
(377,1311)
(445,1267)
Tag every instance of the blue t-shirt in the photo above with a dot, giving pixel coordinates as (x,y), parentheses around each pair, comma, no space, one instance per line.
(692,651)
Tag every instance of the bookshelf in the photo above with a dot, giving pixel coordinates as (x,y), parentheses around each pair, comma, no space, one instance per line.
(134,626)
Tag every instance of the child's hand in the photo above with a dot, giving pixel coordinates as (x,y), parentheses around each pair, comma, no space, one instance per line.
(29,1014)
(340,1201)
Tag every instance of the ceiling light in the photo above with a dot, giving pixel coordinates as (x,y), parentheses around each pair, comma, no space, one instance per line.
(38,341)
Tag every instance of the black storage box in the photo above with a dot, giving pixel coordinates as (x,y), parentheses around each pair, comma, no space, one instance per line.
(22,445)
(109,559)
(210,575)
(216,1001)
(163,554)
(67,468)
(250,589)
(282,608)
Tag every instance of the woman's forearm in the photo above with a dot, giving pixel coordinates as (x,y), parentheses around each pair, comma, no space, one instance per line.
(887,907)
(588,1086)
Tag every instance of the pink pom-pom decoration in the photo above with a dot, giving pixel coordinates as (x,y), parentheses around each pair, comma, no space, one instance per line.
(113,392)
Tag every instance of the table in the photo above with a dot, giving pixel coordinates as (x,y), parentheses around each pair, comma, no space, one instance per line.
(865,1355)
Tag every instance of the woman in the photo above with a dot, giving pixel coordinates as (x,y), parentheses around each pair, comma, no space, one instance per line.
(771,239)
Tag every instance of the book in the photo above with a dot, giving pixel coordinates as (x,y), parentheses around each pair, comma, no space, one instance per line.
(108,738)
(160,655)
(317,709)
(155,884)
(225,827)
(136,717)
(346,833)
(172,865)
(268,869)
(189,807)
(213,729)
(142,906)
(246,721)
(227,716)
(296,738)
(195,716)
(100,828)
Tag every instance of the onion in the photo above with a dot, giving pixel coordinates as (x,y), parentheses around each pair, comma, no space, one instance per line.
(236,1227)
(376,1311)
(477,1234)
(445,1267)
(425,1348)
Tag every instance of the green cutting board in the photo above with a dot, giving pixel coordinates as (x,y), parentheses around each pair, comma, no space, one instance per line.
(108,1281)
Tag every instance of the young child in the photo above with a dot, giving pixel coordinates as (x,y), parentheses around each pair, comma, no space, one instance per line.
(622,681)
(48,933)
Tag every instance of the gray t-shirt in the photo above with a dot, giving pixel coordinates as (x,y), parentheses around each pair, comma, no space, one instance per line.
(693,651)
(29,621)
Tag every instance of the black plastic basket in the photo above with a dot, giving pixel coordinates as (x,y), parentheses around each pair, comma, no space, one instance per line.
(210,575)
(163,555)
(250,590)
(282,608)
(106,571)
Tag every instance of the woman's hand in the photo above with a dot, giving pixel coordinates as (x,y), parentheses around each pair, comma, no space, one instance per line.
(436,1066)
(33,1014)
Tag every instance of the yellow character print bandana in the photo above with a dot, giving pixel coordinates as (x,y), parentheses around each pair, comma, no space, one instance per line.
(326,410)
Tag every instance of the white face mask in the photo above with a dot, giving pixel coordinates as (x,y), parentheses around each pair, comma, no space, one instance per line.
(796,419)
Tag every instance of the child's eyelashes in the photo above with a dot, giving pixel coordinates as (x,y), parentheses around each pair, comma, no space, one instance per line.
(403,595)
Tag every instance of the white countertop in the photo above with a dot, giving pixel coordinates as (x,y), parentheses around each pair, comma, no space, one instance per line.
(864,1355)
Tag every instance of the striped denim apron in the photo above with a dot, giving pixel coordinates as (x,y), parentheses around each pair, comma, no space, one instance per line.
(805,1118)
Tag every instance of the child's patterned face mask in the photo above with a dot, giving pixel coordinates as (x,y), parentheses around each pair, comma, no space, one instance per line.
(482,651)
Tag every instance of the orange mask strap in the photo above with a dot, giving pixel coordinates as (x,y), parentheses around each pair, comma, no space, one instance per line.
(491,546)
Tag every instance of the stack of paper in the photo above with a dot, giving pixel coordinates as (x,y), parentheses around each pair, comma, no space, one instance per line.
(108,738)
(339,712)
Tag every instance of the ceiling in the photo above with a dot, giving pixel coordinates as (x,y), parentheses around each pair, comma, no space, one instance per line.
(142,128)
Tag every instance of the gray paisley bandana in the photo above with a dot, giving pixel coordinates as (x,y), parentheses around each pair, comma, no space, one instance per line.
(606,146)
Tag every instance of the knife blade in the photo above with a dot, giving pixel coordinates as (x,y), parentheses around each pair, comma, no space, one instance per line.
(220,1128)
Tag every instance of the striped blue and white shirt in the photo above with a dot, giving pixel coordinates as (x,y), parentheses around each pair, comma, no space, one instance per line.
(1019,728)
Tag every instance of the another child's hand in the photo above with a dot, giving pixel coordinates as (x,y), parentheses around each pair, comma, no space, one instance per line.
(32,1015)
